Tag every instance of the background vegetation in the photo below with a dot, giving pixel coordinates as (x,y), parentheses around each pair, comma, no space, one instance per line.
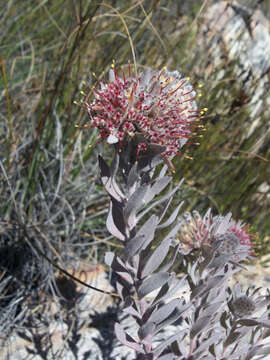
(51,201)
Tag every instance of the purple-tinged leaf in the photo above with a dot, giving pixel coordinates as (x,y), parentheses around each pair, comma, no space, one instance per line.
(148,229)
(131,311)
(121,290)
(245,330)
(115,263)
(167,266)
(163,312)
(126,339)
(156,188)
(148,345)
(158,350)
(126,265)
(238,351)
(200,325)
(163,171)
(109,256)
(233,336)
(203,288)
(261,302)
(173,232)
(135,263)
(115,192)
(259,350)
(114,165)
(111,226)
(133,178)
(265,323)
(253,351)
(175,349)
(213,307)
(216,295)
(214,339)
(179,283)
(133,245)
(147,311)
(115,222)
(167,357)
(256,334)
(108,181)
(163,291)
(208,255)
(223,319)
(146,330)
(157,257)
(182,348)
(143,237)
(212,350)
(129,307)
(136,201)
(172,217)
(129,301)
(126,276)
(104,168)
(152,283)
(253,322)
(132,221)
(265,334)
(174,316)
(160,201)
(164,211)
(192,274)
(248,322)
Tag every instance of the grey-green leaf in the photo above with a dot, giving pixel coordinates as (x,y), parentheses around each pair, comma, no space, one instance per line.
(152,283)
(157,257)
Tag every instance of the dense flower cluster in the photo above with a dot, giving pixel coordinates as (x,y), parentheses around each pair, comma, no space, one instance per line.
(243,306)
(244,303)
(160,105)
(222,233)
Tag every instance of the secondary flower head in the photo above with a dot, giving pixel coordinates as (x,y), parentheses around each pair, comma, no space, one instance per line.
(250,302)
(223,234)
(159,105)
(243,306)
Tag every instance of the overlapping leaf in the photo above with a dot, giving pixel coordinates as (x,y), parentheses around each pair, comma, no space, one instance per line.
(143,237)
(126,339)
(152,283)
(157,257)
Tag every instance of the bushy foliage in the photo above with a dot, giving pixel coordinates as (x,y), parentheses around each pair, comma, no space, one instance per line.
(217,321)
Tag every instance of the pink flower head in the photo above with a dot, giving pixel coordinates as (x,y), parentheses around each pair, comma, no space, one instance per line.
(160,105)
(220,232)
